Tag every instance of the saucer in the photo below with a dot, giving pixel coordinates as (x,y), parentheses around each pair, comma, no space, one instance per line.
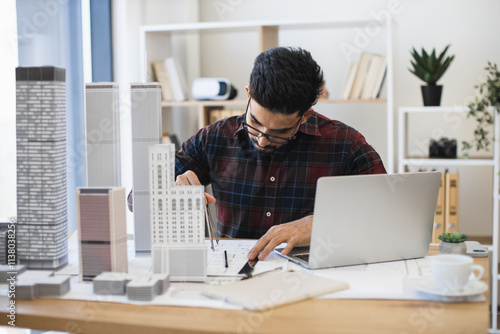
(470,289)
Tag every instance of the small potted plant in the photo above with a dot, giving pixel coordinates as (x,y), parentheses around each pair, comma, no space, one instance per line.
(430,68)
(452,243)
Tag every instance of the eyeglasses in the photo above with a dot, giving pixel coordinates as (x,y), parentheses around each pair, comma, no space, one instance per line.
(259,134)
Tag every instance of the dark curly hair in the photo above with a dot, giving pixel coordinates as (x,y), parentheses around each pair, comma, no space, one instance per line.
(286,80)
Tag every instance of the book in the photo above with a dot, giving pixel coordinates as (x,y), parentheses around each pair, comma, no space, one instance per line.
(438,228)
(380,78)
(237,112)
(177,79)
(348,81)
(161,75)
(379,92)
(215,115)
(372,73)
(225,113)
(451,202)
(359,78)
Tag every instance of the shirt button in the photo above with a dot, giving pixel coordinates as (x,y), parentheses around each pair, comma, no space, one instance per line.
(268,214)
(272,178)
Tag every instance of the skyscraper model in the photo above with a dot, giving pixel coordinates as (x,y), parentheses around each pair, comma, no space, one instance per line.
(146,131)
(41,167)
(102,230)
(102,132)
(177,220)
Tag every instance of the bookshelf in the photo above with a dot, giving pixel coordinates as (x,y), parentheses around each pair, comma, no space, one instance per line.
(161,41)
(204,107)
(404,162)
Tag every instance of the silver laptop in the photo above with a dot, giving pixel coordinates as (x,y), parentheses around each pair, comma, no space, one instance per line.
(370,218)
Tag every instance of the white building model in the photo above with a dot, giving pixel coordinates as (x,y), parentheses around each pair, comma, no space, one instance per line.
(102,134)
(177,220)
(146,131)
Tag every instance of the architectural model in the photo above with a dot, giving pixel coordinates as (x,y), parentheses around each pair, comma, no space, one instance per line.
(7,270)
(102,230)
(42,228)
(36,283)
(146,131)
(102,133)
(177,220)
(137,287)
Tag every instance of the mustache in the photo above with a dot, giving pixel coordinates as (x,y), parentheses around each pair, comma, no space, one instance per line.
(267,147)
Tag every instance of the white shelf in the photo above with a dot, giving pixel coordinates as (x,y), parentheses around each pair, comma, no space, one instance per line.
(446,162)
(406,110)
(296,23)
(404,161)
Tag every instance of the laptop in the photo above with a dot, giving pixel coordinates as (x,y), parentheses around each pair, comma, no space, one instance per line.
(360,219)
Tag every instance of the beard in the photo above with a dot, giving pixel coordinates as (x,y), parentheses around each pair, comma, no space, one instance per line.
(268,149)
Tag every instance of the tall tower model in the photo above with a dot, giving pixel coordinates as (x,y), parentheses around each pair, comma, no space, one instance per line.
(146,131)
(177,220)
(102,134)
(102,230)
(41,167)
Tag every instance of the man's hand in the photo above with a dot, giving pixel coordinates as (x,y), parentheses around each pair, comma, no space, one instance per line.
(296,233)
(189,178)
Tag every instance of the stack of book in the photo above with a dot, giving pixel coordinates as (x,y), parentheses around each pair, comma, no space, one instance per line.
(171,77)
(215,115)
(446,217)
(364,80)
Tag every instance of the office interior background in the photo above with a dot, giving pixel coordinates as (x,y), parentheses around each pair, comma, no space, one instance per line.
(99,41)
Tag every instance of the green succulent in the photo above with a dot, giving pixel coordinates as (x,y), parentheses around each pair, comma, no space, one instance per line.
(454,237)
(429,68)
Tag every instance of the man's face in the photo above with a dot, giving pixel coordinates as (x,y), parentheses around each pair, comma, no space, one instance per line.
(269,131)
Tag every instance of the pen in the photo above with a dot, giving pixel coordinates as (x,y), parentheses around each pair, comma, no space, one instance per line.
(225,258)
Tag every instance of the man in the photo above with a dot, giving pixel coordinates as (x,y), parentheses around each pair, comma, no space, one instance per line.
(264,165)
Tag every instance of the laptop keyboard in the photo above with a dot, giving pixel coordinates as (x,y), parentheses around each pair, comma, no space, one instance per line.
(303,257)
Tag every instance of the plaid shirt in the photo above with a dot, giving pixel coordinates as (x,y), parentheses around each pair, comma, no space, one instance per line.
(255,191)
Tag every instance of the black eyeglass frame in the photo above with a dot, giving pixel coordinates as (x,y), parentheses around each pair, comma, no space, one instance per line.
(267,136)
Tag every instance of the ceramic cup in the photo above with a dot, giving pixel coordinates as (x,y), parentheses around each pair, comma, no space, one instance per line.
(452,271)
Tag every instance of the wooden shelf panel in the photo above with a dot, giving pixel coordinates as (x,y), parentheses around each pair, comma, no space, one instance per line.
(209,103)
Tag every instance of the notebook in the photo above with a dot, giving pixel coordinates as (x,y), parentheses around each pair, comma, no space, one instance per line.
(268,291)
(372,218)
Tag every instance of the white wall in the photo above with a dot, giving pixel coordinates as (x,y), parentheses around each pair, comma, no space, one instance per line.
(469,26)
(8,64)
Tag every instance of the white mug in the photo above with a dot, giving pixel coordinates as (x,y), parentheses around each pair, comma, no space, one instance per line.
(452,271)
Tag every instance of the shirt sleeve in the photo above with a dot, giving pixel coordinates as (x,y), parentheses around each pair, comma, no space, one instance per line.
(363,158)
(192,156)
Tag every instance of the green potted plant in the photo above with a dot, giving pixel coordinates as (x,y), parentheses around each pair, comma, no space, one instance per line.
(452,243)
(482,109)
(430,68)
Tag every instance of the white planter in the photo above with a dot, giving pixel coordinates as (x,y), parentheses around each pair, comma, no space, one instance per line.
(452,248)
